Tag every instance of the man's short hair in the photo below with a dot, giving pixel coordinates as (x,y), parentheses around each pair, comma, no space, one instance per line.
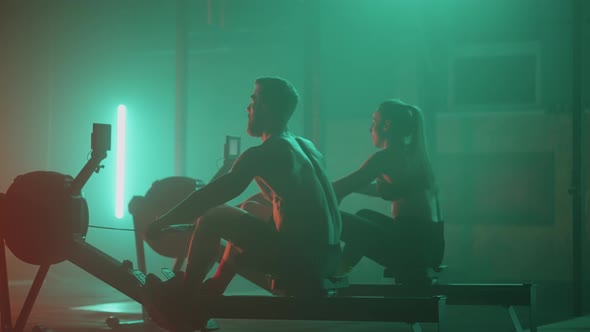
(280,95)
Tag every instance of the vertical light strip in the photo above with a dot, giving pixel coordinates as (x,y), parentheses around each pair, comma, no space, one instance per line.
(120,175)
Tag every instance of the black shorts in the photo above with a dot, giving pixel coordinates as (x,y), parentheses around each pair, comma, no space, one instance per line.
(264,249)
(406,241)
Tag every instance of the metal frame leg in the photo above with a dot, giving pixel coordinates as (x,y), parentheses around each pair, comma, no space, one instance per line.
(5,313)
(533,309)
(514,318)
(31,297)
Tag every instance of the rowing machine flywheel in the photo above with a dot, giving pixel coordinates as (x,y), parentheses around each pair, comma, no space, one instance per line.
(41,217)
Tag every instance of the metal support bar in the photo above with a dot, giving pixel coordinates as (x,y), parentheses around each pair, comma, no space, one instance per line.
(31,297)
(514,319)
(416,327)
(5,313)
(507,295)
(457,294)
(578,185)
(141,264)
(376,309)
(86,172)
(140,251)
(533,310)
(106,268)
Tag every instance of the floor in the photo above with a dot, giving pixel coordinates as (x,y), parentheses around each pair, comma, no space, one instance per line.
(79,302)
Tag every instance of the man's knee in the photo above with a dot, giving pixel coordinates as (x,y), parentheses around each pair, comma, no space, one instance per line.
(230,253)
(203,227)
(226,222)
(248,205)
(209,222)
(261,211)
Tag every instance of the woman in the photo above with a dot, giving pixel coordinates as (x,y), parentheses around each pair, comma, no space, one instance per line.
(411,241)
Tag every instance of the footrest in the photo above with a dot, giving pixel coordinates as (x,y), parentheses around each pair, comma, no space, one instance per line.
(140,276)
(168,274)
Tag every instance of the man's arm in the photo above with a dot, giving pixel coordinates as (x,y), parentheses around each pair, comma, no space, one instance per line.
(217,192)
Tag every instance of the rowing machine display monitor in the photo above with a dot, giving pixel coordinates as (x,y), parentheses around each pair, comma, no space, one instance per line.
(231,148)
(101,137)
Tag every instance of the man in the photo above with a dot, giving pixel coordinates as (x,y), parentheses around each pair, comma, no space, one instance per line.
(300,238)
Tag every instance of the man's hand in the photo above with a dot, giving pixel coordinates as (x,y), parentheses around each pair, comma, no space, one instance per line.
(161,226)
(154,229)
(182,228)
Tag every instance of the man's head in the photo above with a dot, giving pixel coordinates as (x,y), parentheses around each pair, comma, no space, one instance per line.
(271,105)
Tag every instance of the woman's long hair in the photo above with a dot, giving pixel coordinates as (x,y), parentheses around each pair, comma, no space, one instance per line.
(407,128)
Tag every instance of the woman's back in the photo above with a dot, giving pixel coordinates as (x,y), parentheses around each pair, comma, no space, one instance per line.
(408,184)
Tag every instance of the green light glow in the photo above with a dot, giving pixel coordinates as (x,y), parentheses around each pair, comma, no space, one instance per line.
(120,175)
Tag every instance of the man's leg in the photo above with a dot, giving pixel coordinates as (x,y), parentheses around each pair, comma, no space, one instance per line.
(226,270)
(175,303)
(258,206)
(205,242)
(241,229)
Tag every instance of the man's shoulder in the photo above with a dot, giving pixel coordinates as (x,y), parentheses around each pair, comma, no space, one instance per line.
(269,148)
(280,142)
(304,141)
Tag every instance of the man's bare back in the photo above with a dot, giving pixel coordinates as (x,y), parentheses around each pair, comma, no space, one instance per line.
(293,180)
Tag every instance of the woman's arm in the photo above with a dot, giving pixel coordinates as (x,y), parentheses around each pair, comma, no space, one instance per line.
(369,190)
(359,179)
